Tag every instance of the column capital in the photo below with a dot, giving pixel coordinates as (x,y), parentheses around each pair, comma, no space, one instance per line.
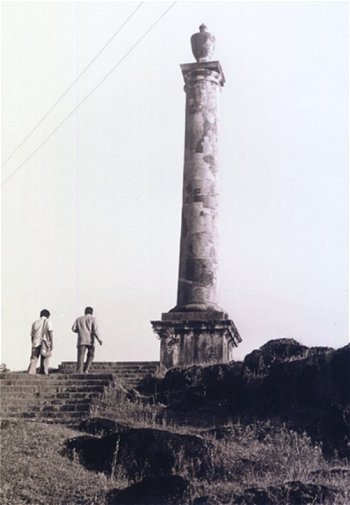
(204,70)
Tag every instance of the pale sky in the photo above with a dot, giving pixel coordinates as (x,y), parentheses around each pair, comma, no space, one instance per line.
(93,217)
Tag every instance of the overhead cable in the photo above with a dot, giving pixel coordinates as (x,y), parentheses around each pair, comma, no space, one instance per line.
(88,95)
(73,83)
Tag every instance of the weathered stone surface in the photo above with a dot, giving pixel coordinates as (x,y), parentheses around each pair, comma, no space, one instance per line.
(291,493)
(310,394)
(203,44)
(172,490)
(62,398)
(185,342)
(143,453)
(199,236)
(195,317)
(93,452)
(279,351)
(274,352)
(101,426)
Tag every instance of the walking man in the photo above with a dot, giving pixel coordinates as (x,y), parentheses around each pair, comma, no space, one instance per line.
(87,330)
(42,343)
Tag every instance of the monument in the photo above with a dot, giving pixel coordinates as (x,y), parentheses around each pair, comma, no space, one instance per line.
(197,330)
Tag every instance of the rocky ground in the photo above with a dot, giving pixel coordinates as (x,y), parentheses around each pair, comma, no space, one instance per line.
(308,389)
(271,430)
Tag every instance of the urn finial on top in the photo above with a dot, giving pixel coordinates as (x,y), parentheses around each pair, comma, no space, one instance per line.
(203,44)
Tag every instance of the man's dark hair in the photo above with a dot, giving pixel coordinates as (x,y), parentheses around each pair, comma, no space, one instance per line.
(89,310)
(45,313)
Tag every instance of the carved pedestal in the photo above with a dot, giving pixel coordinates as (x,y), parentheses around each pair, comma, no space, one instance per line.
(190,338)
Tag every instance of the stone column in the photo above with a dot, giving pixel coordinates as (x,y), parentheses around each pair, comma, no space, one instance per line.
(199,238)
(196,330)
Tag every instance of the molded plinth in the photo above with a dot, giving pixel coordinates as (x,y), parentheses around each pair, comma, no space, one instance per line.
(189,338)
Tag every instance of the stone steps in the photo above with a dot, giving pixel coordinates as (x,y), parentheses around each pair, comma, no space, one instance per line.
(119,364)
(86,380)
(22,401)
(51,389)
(121,367)
(54,374)
(44,409)
(65,396)
(54,384)
(128,373)
(69,418)
(56,398)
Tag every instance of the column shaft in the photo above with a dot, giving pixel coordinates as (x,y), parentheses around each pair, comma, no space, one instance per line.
(197,282)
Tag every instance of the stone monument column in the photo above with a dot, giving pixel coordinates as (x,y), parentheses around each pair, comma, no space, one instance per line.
(196,330)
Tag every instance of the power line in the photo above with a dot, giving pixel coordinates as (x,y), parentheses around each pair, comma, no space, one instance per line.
(73,83)
(89,94)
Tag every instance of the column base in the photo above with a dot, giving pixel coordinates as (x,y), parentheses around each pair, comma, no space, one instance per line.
(189,338)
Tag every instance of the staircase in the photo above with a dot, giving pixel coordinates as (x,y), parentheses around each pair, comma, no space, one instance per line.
(65,396)
(128,373)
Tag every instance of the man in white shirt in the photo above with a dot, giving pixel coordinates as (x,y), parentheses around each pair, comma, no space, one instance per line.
(42,343)
(87,329)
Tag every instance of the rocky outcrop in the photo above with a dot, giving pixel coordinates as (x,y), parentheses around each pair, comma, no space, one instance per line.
(101,426)
(278,351)
(143,453)
(309,389)
(172,490)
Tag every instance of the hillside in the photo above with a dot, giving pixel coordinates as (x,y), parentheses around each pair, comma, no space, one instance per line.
(283,381)
(270,430)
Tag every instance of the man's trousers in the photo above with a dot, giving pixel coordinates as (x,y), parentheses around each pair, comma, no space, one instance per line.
(44,362)
(81,356)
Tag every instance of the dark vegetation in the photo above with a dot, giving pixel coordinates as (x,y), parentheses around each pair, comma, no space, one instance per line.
(272,430)
(307,389)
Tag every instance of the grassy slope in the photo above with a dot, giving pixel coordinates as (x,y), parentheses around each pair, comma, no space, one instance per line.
(35,472)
